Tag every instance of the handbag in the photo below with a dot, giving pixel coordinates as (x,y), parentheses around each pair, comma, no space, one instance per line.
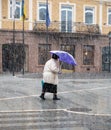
(42,83)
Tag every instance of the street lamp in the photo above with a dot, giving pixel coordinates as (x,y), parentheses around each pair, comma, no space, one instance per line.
(109,49)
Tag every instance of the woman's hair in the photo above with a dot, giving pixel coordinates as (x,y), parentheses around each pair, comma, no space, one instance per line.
(54,56)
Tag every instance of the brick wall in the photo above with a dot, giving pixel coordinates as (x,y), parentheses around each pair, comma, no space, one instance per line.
(32,39)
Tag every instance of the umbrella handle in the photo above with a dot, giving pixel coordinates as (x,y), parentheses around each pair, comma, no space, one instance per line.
(60,67)
(61,63)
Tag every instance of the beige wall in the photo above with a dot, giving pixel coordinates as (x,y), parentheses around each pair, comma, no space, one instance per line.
(55,12)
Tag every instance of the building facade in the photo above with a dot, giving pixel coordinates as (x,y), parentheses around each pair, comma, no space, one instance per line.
(78,27)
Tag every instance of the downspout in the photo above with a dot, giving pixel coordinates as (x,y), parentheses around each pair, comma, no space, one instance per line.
(0,13)
(100,15)
(30,15)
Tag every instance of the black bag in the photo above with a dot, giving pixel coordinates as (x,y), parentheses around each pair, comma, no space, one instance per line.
(51,88)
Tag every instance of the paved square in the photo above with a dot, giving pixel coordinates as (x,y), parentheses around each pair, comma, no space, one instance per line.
(85,104)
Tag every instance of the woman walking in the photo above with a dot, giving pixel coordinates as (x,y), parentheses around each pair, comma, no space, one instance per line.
(50,77)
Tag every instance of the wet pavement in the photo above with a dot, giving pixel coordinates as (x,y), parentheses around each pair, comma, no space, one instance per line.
(85,104)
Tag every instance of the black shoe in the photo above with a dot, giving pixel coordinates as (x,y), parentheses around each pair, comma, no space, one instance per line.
(55,98)
(42,97)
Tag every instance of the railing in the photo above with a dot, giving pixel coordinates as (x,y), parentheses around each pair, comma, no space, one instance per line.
(70,27)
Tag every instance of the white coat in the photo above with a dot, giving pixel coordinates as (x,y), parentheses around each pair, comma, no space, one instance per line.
(50,73)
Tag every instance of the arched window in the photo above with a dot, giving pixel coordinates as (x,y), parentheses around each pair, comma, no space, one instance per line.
(42,12)
(89,15)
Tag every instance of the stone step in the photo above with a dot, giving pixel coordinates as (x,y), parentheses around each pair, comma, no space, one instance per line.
(37,120)
(73,75)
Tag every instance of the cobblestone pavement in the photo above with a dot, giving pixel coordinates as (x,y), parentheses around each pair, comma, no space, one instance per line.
(85,104)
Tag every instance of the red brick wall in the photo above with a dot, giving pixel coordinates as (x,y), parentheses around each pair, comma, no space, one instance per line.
(32,39)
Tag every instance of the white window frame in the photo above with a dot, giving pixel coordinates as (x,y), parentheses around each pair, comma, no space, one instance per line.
(109,8)
(73,13)
(49,9)
(9,10)
(93,12)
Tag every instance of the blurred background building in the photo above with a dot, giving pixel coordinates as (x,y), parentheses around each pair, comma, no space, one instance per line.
(78,27)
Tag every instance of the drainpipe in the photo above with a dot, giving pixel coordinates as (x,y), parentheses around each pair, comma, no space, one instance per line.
(30,14)
(0,13)
(100,15)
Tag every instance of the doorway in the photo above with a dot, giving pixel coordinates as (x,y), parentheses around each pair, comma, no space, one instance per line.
(106,59)
(13,57)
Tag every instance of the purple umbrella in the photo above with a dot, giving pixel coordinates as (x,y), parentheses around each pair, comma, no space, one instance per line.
(65,57)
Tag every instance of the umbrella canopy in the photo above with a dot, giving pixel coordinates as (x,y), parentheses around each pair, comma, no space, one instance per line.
(65,57)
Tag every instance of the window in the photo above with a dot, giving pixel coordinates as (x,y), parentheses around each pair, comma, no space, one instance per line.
(70,49)
(89,15)
(109,16)
(88,55)
(42,12)
(17,9)
(66,18)
(43,53)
